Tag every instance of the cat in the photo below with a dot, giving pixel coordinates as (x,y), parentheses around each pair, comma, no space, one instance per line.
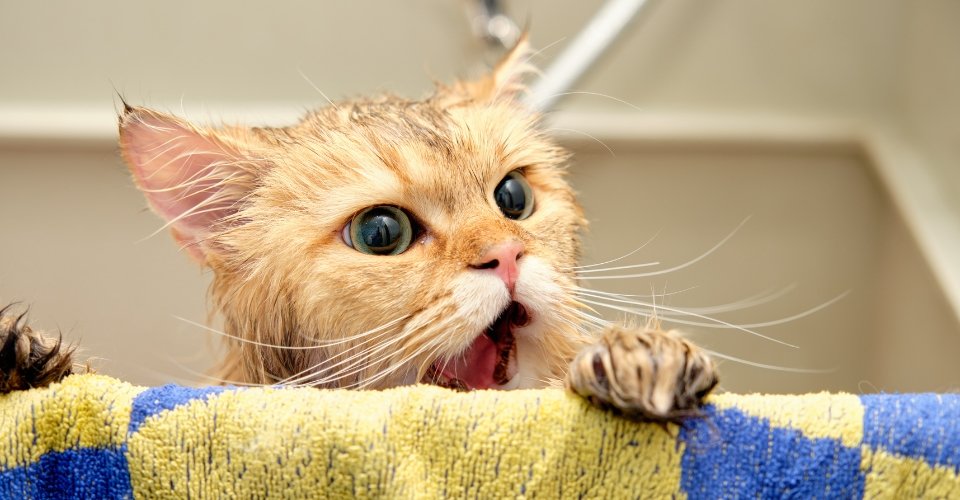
(383,242)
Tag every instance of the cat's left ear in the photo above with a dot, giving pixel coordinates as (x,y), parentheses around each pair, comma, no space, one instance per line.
(506,81)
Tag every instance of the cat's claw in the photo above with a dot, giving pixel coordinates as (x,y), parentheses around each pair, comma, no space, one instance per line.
(646,374)
(29,359)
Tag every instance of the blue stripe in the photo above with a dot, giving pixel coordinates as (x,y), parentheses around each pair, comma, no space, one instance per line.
(81,473)
(158,399)
(732,455)
(924,426)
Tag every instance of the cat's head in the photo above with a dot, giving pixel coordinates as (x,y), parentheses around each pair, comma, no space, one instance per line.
(381,241)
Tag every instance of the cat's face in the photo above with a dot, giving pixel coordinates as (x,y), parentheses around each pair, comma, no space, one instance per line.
(378,242)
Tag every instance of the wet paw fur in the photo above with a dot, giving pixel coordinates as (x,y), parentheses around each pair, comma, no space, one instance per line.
(29,359)
(643,373)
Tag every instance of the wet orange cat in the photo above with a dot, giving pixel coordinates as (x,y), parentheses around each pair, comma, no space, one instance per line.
(385,241)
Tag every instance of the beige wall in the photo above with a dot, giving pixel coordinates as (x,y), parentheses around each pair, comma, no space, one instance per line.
(741,55)
(802,57)
(929,82)
(821,217)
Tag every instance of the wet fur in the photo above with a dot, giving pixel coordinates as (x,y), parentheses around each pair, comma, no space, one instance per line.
(264,208)
(27,358)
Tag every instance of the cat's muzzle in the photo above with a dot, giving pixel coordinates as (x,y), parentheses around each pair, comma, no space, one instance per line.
(491,360)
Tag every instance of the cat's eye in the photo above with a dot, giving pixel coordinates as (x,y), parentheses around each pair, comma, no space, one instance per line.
(380,230)
(514,196)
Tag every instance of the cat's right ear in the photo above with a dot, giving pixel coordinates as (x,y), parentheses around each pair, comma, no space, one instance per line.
(504,82)
(193,177)
(507,76)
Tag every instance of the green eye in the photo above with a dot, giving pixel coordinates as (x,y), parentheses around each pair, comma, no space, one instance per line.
(381,230)
(514,196)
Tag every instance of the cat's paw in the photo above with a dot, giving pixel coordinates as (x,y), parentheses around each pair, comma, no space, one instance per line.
(27,358)
(643,373)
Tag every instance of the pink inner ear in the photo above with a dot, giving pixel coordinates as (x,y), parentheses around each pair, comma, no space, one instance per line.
(187,176)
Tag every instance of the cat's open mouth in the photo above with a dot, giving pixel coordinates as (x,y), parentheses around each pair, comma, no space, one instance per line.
(490,361)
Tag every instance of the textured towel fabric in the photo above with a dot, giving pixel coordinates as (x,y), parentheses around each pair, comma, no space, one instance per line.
(96,437)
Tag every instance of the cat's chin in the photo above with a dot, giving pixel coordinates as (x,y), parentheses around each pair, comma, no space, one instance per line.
(490,362)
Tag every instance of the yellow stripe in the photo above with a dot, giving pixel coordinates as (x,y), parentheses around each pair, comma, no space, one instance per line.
(823,415)
(83,411)
(892,476)
(341,443)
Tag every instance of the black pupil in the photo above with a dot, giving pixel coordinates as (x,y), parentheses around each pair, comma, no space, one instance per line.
(510,197)
(380,231)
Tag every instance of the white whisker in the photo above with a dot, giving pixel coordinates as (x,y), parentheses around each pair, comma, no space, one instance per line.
(801,314)
(596,94)
(360,364)
(701,316)
(396,365)
(355,360)
(537,52)
(679,267)
(321,344)
(315,87)
(752,301)
(584,316)
(218,380)
(594,138)
(631,266)
(624,256)
(761,298)
(735,306)
(769,367)
(626,295)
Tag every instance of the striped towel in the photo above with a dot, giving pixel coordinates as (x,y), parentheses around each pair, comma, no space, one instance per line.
(96,437)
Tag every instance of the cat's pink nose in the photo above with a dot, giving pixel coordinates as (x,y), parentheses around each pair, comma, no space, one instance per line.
(502,260)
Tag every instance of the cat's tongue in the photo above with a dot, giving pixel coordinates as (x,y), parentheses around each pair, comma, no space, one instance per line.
(476,366)
(491,360)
